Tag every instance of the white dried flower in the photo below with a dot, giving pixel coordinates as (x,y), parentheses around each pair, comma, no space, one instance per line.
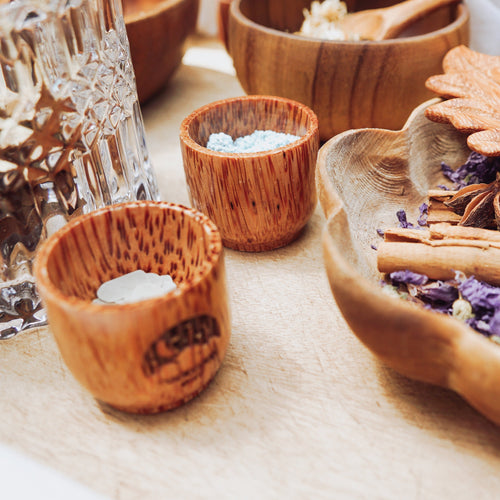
(462,309)
(322,21)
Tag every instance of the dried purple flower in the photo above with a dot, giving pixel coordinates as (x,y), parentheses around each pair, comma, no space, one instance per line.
(481,295)
(439,292)
(477,169)
(483,315)
(495,323)
(424,212)
(405,277)
(403,222)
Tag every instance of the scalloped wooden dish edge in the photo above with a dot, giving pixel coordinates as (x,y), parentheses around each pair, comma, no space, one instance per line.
(417,343)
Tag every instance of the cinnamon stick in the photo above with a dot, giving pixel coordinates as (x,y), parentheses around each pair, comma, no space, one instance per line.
(438,211)
(441,250)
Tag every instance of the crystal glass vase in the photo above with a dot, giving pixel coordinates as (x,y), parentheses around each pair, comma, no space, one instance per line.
(71,133)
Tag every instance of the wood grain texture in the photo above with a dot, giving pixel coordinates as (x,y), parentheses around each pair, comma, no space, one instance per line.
(416,342)
(147,356)
(157,32)
(471,83)
(300,408)
(389,22)
(222,21)
(347,84)
(259,201)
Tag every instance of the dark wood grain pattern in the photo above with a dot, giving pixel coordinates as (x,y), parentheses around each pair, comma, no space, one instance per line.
(157,31)
(106,346)
(347,84)
(259,201)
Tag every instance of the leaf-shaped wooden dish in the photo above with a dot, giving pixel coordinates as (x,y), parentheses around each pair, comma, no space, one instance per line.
(471,83)
(364,177)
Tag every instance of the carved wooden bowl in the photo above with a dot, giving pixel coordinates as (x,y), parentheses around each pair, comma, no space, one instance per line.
(147,356)
(157,31)
(364,177)
(259,201)
(347,84)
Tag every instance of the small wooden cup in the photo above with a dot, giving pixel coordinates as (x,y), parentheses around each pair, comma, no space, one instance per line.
(151,355)
(259,201)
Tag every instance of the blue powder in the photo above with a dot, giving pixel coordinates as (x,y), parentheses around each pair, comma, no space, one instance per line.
(260,140)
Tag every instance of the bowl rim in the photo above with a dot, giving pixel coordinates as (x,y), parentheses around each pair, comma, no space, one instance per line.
(462,17)
(44,282)
(450,353)
(189,142)
(154,9)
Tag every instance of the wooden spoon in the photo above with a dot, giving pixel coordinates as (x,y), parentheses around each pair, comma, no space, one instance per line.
(381,24)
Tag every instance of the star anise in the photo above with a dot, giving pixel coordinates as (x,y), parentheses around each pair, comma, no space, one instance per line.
(478,204)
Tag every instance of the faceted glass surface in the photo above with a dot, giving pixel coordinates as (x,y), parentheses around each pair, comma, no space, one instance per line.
(71,133)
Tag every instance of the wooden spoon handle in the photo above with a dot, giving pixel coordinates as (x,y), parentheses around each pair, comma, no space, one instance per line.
(401,15)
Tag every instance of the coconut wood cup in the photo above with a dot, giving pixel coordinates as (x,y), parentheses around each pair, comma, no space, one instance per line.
(259,201)
(157,31)
(348,85)
(364,177)
(147,356)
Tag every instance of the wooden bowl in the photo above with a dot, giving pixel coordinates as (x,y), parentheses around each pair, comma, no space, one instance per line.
(222,20)
(259,201)
(347,84)
(364,177)
(147,356)
(157,31)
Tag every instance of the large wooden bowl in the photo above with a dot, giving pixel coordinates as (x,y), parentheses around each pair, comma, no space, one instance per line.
(347,84)
(365,176)
(146,356)
(259,201)
(157,32)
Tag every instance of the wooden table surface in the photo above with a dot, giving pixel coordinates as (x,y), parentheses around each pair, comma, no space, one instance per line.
(299,410)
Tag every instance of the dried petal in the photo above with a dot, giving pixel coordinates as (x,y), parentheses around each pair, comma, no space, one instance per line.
(476,170)
(458,203)
(480,294)
(480,212)
(406,277)
(424,212)
(403,222)
(439,292)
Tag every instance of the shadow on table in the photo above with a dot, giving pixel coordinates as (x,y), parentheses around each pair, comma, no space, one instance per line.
(440,411)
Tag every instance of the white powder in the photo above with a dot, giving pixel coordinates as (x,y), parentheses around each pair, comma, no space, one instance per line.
(133,287)
(260,140)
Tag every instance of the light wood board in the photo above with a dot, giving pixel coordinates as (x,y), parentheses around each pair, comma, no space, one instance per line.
(300,409)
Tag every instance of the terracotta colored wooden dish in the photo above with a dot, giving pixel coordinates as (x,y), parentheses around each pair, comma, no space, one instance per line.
(364,177)
(347,84)
(470,85)
(259,201)
(147,356)
(157,31)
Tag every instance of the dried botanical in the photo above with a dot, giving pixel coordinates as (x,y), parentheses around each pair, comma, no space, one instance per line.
(478,204)
(471,85)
